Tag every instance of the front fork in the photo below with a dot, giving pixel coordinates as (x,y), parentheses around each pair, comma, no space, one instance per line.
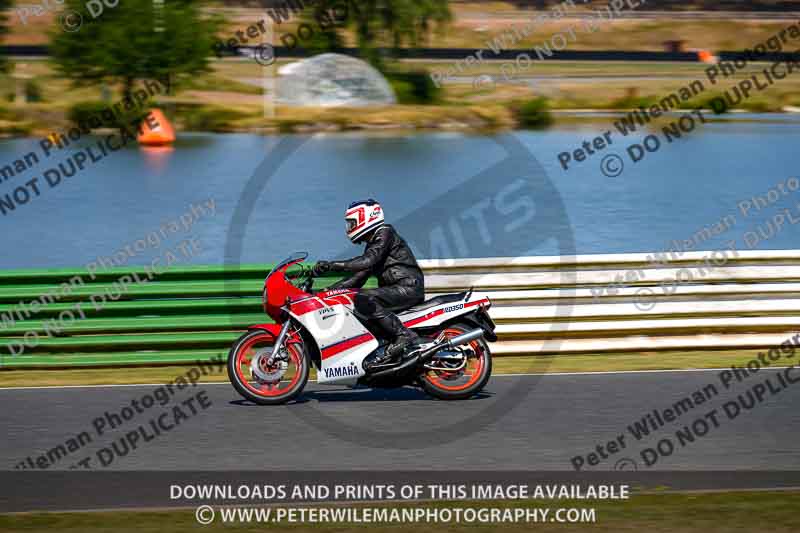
(278,352)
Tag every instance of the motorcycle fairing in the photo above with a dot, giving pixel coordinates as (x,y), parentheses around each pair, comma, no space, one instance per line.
(272,329)
(428,316)
(343,341)
(438,314)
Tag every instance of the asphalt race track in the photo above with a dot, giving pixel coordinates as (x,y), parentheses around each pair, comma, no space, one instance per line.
(553,419)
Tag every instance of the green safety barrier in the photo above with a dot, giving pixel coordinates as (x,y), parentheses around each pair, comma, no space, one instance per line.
(127,316)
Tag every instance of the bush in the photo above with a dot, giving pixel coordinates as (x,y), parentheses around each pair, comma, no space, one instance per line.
(15,128)
(762,106)
(633,102)
(11,114)
(404,91)
(535,113)
(83,111)
(33,92)
(720,105)
(715,103)
(97,114)
(414,87)
(208,118)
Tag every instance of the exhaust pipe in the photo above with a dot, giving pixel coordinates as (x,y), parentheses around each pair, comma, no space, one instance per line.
(423,357)
(464,338)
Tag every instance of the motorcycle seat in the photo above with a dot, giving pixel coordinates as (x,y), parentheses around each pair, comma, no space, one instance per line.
(437,300)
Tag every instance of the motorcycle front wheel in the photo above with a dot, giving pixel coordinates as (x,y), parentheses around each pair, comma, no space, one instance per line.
(272,384)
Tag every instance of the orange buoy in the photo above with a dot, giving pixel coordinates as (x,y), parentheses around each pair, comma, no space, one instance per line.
(705,56)
(156,130)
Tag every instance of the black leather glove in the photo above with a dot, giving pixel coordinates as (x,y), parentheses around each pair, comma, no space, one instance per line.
(322,267)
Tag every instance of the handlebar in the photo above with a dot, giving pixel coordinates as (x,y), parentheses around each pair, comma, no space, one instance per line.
(308,284)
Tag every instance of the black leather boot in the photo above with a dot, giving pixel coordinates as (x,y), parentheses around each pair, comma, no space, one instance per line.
(404,338)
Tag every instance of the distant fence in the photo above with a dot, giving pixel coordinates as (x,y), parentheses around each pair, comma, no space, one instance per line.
(557,55)
(460,53)
(591,304)
(707,13)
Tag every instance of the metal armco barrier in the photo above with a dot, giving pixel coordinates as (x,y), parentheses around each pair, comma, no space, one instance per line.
(592,304)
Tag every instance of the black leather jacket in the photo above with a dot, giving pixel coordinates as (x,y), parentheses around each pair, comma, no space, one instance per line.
(387,256)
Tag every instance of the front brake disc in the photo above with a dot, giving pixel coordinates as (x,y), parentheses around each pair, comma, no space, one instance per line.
(264,372)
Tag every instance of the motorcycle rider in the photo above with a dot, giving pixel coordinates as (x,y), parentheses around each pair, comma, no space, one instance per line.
(387,256)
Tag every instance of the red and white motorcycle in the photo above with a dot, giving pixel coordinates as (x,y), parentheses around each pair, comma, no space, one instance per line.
(270,363)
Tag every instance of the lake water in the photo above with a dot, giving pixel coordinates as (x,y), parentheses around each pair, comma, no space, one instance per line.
(450,194)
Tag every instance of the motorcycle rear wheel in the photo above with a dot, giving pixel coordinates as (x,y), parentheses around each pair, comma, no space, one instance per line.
(467,382)
(288,384)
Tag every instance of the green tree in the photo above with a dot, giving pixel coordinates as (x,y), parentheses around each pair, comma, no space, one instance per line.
(389,24)
(326,25)
(135,40)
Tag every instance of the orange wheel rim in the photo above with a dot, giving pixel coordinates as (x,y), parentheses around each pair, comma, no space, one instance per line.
(286,383)
(474,368)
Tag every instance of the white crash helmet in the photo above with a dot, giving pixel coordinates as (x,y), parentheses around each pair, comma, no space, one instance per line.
(362,217)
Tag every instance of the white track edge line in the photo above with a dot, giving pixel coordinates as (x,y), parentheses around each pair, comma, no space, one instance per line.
(604,372)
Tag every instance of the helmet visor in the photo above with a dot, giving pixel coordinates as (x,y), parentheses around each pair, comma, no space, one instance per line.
(350,223)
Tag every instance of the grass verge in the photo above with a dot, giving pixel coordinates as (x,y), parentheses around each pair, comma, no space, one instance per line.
(501,365)
(674,513)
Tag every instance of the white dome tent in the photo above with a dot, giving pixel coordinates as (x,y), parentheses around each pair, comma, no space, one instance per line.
(332,80)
